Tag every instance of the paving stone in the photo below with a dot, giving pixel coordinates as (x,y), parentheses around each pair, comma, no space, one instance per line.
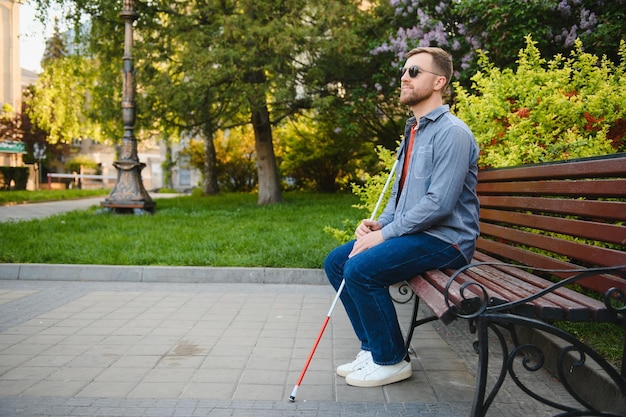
(210,349)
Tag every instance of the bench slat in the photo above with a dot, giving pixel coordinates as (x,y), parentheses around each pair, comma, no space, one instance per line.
(570,304)
(497,288)
(612,210)
(593,255)
(578,228)
(432,298)
(574,188)
(607,166)
(540,261)
(500,288)
(503,286)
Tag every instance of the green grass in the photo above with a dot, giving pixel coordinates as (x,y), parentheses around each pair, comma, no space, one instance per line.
(606,338)
(20,197)
(223,230)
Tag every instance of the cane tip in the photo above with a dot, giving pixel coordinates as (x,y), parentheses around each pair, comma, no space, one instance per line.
(292,398)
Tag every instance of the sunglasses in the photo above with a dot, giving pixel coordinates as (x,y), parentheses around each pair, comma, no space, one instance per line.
(414,71)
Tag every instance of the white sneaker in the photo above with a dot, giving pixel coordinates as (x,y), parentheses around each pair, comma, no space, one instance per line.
(374,375)
(362,358)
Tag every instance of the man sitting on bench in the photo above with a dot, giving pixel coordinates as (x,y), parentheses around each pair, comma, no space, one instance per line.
(430,221)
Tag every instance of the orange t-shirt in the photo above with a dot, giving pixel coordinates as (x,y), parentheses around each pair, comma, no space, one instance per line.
(407,157)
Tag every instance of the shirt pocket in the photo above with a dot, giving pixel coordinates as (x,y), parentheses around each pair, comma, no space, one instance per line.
(423,162)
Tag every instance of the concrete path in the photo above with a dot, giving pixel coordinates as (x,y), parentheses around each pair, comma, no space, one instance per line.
(31,211)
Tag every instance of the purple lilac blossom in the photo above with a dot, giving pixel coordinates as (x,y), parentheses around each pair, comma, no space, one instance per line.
(564,8)
(588,20)
(570,36)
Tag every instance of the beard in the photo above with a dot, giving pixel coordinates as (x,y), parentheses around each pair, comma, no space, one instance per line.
(413,97)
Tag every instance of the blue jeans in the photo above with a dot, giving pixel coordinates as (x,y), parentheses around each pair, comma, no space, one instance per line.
(369,274)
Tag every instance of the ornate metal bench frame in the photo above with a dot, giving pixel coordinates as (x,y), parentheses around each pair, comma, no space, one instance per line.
(487,314)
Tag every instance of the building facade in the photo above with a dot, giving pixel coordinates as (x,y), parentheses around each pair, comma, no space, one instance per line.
(11,151)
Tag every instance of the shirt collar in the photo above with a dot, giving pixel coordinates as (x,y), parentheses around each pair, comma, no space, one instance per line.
(431,116)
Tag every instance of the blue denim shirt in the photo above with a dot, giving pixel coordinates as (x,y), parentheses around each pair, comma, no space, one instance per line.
(439,196)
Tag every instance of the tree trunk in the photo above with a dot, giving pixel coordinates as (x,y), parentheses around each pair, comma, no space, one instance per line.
(168,163)
(269,186)
(210,174)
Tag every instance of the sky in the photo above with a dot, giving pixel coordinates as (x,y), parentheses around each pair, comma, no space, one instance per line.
(33,37)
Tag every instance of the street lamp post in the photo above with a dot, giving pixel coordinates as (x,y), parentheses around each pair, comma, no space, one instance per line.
(128,193)
(39,153)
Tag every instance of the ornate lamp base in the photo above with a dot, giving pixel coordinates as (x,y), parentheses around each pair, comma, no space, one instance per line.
(129,195)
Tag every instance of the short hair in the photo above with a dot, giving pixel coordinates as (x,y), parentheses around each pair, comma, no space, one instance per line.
(441,59)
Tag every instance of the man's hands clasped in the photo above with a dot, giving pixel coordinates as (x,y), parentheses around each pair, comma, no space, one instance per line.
(368,235)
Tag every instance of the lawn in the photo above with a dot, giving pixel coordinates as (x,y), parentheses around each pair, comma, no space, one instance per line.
(223,230)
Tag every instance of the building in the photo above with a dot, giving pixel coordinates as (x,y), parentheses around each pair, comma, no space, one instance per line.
(11,151)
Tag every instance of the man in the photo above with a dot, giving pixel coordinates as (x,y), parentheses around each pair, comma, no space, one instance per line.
(430,221)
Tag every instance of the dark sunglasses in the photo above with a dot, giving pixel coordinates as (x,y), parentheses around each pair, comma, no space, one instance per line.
(414,71)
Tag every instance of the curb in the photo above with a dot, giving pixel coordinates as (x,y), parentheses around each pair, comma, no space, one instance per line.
(161,274)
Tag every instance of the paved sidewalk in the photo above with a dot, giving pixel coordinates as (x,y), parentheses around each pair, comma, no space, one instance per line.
(76,348)
(125,341)
(32,211)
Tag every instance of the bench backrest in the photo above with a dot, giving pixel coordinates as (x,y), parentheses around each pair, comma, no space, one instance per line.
(559,215)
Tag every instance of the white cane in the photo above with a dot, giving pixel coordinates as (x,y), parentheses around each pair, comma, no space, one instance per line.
(292,397)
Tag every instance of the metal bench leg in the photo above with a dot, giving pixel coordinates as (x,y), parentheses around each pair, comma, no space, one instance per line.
(482,347)
(416,323)
(481,405)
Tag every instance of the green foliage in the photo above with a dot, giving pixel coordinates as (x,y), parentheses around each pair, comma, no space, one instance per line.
(319,154)
(60,101)
(546,110)
(236,166)
(235,159)
(10,124)
(368,194)
(75,164)
(498,28)
(13,178)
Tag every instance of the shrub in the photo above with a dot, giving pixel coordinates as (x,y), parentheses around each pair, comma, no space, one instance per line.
(546,110)
(368,193)
(13,178)
(74,164)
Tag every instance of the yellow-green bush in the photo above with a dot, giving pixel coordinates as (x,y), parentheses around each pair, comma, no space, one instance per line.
(546,110)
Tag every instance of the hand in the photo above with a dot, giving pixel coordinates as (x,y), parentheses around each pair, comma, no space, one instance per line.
(367,241)
(366,227)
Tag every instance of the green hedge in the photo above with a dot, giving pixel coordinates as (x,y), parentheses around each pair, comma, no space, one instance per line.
(17,175)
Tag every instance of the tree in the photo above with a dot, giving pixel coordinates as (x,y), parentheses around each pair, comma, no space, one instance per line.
(10,124)
(499,27)
(55,46)
(235,163)
(61,97)
(320,155)
(211,62)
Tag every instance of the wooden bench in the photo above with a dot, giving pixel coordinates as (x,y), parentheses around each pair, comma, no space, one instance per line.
(544,228)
